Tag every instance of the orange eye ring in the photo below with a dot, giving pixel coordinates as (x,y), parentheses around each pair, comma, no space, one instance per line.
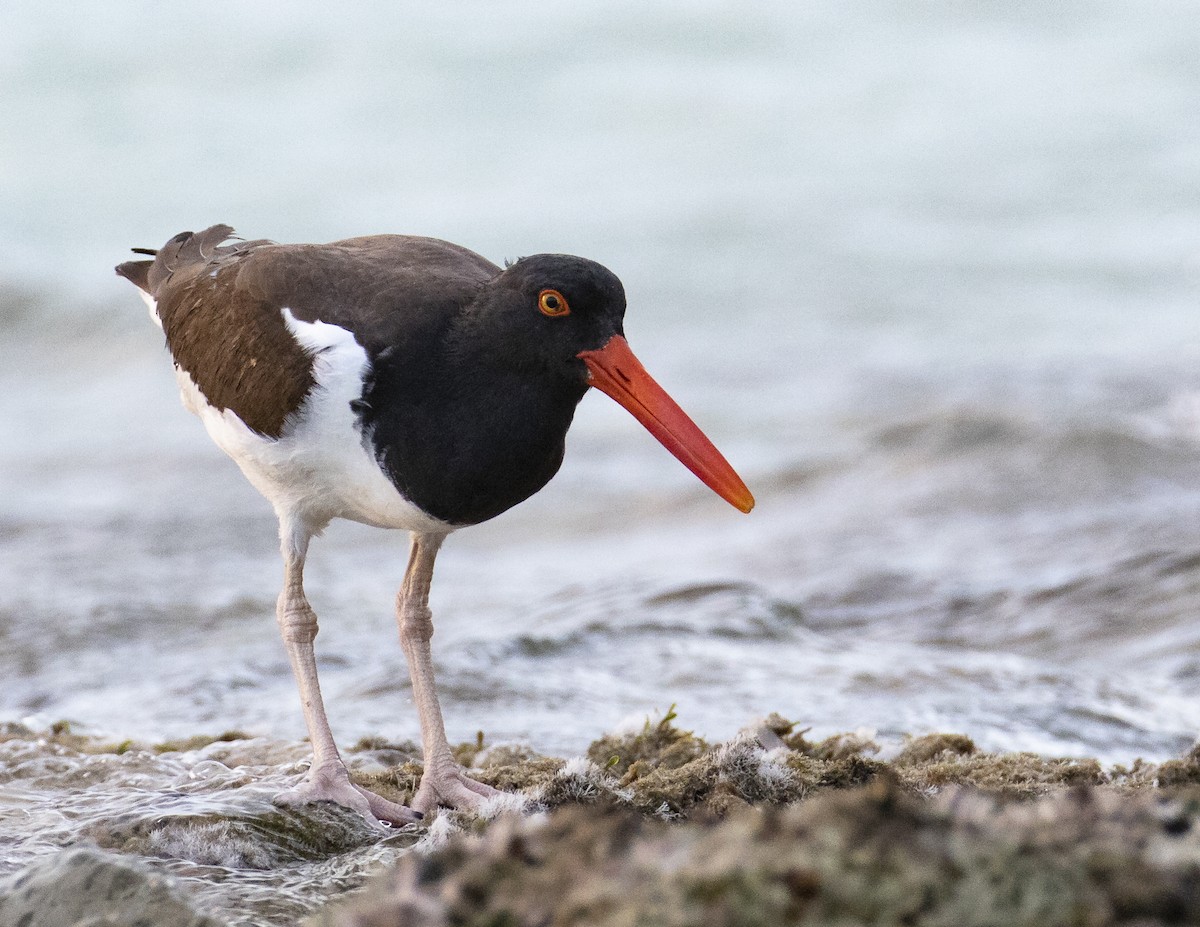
(553,303)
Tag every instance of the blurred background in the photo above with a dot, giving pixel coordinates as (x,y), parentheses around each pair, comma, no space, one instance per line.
(927,274)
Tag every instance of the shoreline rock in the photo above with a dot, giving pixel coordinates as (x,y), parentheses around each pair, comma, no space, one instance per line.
(665,771)
(85,886)
(654,826)
(878,854)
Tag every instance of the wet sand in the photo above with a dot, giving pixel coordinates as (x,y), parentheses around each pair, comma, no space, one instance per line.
(651,826)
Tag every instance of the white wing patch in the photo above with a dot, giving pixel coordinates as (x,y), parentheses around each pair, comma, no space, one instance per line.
(323,466)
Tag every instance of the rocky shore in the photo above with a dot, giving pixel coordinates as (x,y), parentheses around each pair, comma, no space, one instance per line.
(657,826)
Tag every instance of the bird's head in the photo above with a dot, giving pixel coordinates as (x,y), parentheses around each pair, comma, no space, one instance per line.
(563,314)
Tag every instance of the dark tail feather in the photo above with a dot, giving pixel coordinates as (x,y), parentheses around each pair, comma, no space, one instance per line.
(137,273)
(184,249)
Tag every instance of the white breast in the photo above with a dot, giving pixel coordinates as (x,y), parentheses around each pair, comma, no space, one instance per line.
(323,467)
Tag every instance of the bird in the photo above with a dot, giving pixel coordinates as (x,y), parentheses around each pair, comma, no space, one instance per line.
(403,382)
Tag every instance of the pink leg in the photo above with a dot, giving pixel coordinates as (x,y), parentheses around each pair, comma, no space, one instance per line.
(327,779)
(444,782)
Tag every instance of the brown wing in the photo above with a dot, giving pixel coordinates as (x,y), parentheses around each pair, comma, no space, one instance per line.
(230,340)
(221,307)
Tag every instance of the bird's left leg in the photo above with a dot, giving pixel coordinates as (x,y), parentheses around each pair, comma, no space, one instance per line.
(444,782)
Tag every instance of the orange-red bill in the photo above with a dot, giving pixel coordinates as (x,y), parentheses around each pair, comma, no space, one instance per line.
(615,370)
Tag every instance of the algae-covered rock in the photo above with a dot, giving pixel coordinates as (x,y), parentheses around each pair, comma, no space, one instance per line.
(876,855)
(658,745)
(88,888)
(199,741)
(657,826)
(1185,771)
(1013,774)
(664,771)
(929,747)
(240,833)
(653,826)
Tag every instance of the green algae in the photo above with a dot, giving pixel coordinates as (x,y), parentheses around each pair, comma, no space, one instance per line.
(931,747)
(659,745)
(1017,774)
(663,770)
(1185,771)
(241,834)
(61,733)
(198,742)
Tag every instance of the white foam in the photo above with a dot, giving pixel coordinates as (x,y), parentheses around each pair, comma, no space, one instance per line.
(504,803)
(440,830)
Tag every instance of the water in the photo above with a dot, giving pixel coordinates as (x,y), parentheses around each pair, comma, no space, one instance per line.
(927,276)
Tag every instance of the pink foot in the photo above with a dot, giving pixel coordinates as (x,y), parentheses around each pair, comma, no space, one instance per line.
(446,783)
(332,783)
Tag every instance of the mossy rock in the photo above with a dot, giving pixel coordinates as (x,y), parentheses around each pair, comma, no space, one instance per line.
(876,855)
(658,745)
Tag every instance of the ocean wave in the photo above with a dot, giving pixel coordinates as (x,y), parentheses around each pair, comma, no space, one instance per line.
(982,458)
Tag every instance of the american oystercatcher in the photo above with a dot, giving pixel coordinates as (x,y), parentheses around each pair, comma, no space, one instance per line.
(402,382)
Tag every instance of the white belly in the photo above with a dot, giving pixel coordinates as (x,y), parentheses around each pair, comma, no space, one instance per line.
(323,467)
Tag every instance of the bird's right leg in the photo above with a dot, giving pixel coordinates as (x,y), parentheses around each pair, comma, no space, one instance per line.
(327,779)
(443,782)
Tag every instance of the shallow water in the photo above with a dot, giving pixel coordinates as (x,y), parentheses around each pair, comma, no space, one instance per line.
(927,277)
(203,817)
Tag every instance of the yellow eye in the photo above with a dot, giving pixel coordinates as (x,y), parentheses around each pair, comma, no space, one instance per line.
(553,303)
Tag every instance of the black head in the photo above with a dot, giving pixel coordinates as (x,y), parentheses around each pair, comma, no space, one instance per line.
(545,309)
(543,331)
